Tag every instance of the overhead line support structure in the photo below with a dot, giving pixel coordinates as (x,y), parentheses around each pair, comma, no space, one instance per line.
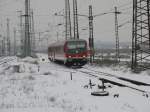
(141,35)
(75,16)
(32,34)
(91,38)
(15,46)
(27,47)
(8,51)
(117,59)
(68,20)
(21,33)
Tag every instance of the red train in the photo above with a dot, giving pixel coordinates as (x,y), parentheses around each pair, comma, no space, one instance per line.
(70,52)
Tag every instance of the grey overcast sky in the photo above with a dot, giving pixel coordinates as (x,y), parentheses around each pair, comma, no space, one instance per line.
(45,20)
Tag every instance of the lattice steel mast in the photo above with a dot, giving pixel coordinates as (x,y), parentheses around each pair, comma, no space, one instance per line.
(75,16)
(27,47)
(91,39)
(32,33)
(8,38)
(21,33)
(68,20)
(15,42)
(141,35)
(117,35)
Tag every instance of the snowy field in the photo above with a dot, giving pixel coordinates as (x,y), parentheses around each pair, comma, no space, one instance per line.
(42,86)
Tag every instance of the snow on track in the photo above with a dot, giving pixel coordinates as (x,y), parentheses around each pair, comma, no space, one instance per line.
(112,78)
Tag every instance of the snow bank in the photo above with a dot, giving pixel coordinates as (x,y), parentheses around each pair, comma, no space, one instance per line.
(50,89)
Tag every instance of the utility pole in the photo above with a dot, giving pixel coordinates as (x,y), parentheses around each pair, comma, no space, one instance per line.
(117,35)
(68,20)
(15,48)
(91,39)
(141,35)
(75,17)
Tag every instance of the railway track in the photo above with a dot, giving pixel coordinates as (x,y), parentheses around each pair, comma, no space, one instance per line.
(140,83)
(116,80)
(111,78)
(4,60)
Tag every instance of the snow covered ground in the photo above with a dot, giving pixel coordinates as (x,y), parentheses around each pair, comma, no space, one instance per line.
(42,86)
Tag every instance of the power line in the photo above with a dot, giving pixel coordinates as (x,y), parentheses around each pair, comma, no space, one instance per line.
(121,25)
(127,8)
(120,6)
(124,5)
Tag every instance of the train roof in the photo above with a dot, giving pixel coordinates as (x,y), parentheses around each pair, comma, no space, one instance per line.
(61,43)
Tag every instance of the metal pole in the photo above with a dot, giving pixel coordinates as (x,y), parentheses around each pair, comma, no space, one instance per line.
(141,35)
(27,29)
(8,38)
(3,48)
(15,42)
(91,39)
(33,33)
(0,48)
(75,16)
(68,20)
(133,37)
(117,36)
(148,13)
(39,40)
(21,34)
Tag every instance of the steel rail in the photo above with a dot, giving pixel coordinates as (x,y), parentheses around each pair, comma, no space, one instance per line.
(108,80)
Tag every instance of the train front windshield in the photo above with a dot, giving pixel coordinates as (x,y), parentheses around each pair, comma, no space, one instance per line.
(75,45)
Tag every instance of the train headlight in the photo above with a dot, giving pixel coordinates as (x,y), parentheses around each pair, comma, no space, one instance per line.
(84,56)
(69,56)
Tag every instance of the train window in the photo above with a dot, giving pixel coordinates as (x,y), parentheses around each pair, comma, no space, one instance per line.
(71,45)
(81,44)
(76,44)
